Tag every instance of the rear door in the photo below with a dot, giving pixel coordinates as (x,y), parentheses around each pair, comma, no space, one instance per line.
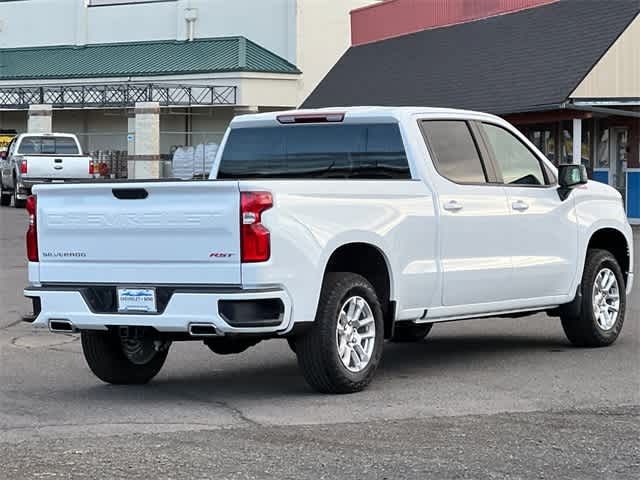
(474,217)
(140,233)
(542,231)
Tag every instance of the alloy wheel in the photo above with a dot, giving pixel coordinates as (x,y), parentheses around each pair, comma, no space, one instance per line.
(355,334)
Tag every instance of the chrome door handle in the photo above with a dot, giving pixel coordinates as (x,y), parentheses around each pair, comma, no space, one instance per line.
(520,205)
(452,206)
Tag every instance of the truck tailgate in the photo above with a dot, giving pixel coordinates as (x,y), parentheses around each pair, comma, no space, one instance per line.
(56,166)
(148,233)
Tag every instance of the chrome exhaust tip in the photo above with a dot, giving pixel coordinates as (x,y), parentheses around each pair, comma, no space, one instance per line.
(203,330)
(60,325)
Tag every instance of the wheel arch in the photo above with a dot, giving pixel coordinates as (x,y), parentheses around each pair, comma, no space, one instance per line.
(370,261)
(614,241)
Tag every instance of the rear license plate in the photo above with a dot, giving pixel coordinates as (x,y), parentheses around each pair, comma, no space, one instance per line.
(137,300)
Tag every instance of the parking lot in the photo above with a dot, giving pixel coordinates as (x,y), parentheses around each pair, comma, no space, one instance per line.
(498,398)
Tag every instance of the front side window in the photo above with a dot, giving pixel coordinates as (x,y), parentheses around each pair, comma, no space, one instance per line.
(368,151)
(518,164)
(455,151)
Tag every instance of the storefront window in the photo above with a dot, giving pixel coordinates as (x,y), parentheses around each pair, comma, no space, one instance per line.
(543,137)
(602,153)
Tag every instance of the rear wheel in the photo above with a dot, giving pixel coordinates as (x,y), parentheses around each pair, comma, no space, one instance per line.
(17,203)
(405,332)
(603,303)
(341,351)
(123,361)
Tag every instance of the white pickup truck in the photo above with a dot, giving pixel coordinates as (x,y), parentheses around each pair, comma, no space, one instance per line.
(334,229)
(35,158)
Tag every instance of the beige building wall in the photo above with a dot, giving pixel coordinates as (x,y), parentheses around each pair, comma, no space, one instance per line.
(617,74)
(324,34)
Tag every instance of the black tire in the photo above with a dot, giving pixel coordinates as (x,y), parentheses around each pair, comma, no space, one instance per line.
(5,198)
(226,346)
(405,332)
(584,330)
(317,349)
(16,202)
(291,341)
(105,356)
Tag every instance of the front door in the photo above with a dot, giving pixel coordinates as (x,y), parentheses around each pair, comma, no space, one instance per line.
(543,234)
(618,155)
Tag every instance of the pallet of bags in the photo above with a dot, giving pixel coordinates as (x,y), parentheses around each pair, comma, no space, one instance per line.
(182,164)
(204,156)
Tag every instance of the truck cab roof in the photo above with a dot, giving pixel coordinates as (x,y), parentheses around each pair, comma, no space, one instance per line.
(360,113)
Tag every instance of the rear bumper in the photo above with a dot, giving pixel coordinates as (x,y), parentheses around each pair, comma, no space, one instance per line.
(183,309)
(25,185)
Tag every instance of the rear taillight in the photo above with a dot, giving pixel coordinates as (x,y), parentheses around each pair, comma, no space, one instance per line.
(255,239)
(32,231)
(23,166)
(92,167)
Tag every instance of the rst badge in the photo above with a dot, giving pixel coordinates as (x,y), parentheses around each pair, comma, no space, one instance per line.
(220,255)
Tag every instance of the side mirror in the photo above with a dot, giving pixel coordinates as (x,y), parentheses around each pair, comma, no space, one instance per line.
(3,155)
(570,176)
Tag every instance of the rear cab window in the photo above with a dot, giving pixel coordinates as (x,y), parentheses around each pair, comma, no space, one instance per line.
(454,151)
(315,151)
(48,145)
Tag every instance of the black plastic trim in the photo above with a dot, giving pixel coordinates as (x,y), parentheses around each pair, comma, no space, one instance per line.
(267,312)
(37,308)
(130,193)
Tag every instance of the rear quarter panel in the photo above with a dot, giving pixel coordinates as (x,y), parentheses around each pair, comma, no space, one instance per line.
(311,219)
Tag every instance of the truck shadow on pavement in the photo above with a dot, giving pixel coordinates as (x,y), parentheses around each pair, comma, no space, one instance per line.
(434,358)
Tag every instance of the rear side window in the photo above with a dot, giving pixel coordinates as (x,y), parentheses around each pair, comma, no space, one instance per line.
(371,151)
(455,151)
(48,146)
(518,164)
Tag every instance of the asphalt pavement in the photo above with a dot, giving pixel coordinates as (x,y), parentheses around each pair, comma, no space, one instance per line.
(496,398)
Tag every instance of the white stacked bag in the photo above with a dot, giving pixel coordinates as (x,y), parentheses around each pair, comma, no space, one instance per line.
(193,162)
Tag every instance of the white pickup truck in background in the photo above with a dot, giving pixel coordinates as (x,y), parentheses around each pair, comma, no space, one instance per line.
(335,229)
(32,159)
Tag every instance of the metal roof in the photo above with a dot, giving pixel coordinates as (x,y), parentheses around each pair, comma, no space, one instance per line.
(165,57)
(529,60)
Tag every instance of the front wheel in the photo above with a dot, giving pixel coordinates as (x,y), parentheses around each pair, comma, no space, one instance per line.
(341,351)
(603,303)
(123,361)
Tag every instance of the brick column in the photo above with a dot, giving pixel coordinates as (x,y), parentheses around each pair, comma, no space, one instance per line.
(147,141)
(40,119)
(131,145)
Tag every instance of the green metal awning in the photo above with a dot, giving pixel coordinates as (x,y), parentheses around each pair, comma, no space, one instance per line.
(166,57)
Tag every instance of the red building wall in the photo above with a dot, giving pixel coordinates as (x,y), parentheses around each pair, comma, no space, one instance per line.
(399,17)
